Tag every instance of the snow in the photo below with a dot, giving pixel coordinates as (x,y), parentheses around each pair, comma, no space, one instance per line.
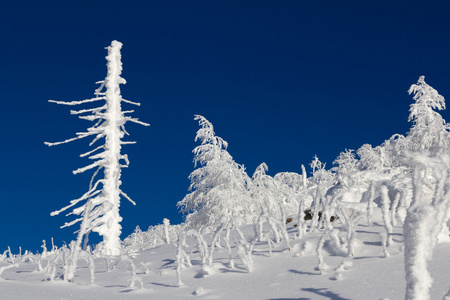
(281,274)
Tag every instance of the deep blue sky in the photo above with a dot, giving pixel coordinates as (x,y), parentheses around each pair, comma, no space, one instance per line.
(280,80)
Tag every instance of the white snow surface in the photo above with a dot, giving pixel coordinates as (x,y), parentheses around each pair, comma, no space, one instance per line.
(286,274)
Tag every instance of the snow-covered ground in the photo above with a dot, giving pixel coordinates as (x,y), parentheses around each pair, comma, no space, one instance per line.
(284,274)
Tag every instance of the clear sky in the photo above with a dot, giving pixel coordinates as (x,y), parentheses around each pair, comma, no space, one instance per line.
(281,81)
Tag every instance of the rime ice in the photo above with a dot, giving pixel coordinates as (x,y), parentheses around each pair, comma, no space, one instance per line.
(100,212)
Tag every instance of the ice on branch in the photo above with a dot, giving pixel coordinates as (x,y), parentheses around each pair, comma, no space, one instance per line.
(100,209)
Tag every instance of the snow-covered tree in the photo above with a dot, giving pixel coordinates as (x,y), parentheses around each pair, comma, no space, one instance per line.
(219,187)
(370,158)
(346,162)
(290,185)
(429,131)
(320,174)
(291,179)
(346,167)
(265,191)
(390,150)
(100,211)
(425,220)
(426,153)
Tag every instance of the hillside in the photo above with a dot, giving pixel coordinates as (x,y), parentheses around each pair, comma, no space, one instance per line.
(286,274)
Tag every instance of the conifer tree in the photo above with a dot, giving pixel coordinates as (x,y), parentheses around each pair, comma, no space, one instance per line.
(427,154)
(219,187)
(429,131)
(100,211)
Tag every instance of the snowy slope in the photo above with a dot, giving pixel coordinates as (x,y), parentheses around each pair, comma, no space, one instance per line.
(286,274)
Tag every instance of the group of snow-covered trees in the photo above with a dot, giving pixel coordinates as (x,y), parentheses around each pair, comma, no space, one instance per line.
(221,188)
(407,176)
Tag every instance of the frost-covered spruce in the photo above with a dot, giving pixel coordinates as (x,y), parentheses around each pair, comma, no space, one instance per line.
(428,156)
(219,187)
(429,131)
(100,212)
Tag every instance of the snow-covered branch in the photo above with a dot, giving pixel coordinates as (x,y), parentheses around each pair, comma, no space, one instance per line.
(77,102)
